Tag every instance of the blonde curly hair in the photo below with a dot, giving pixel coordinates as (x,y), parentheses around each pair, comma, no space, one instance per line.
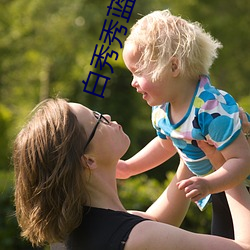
(49,184)
(161,36)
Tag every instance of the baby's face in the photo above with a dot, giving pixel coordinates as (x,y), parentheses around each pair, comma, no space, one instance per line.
(131,57)
(154,93)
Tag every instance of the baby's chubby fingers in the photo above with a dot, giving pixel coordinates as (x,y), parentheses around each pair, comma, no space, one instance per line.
(190,191)
(183,184)
(194,187)
(194,195)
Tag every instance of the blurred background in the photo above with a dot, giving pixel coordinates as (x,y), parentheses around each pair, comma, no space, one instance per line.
(45,50)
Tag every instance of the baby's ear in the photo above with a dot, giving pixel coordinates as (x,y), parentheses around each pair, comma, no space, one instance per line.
(175,66)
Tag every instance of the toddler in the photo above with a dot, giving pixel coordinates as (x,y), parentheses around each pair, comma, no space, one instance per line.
(170,59)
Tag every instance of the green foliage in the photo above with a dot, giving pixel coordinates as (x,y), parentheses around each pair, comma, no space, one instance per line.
(46,48)
(139,192)
(245,103)
(5,124)
(230,71)
(9,231)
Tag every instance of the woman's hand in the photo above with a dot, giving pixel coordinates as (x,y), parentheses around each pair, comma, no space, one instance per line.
(245,124)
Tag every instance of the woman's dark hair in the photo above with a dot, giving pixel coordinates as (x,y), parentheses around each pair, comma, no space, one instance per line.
(49,180)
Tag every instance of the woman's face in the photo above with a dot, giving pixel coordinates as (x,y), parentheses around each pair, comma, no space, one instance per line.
(109,139)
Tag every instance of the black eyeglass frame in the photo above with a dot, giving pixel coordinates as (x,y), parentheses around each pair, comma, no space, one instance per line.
(100,118)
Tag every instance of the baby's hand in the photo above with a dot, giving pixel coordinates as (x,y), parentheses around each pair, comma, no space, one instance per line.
(195,187)
(122,170)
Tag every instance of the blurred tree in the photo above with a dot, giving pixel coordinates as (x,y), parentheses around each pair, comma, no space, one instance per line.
(139,192)
(10,238)
(46,49)
(229,23)
(5,123)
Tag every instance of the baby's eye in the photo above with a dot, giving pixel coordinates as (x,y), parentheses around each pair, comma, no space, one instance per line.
(137,74)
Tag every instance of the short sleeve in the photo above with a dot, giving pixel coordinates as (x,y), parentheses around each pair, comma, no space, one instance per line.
(219,120)
(162,136)
(159,121)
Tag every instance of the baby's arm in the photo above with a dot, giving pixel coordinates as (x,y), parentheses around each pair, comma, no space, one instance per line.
(234,171)
(153,154)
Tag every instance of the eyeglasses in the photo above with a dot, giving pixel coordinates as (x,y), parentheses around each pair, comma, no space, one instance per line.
(100,118)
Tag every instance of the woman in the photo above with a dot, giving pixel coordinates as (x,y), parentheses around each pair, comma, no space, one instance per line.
(65,166)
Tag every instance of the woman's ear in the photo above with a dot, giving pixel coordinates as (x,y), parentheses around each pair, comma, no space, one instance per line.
(89,161)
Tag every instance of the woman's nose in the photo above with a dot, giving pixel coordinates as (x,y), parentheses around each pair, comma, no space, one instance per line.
(108,117)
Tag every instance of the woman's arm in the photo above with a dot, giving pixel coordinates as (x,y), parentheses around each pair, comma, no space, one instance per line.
(160,236)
